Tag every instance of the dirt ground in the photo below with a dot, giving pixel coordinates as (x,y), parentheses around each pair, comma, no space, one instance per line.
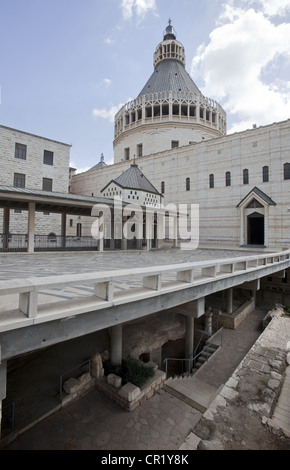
(242,423)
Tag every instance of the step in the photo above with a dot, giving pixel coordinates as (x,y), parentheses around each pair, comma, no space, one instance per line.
(193,391)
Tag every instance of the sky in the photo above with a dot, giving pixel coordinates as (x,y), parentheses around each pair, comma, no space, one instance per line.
(67,66)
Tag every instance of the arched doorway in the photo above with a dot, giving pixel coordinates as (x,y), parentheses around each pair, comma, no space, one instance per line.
(256,229)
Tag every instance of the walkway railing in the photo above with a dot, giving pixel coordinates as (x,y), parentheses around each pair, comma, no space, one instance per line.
(68,373)
(19,242)
(191,361)
(153,281)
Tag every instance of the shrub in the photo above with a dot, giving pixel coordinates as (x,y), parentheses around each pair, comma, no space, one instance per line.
(131,371)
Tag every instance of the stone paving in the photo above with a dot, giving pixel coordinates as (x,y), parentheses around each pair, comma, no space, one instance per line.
(94,422)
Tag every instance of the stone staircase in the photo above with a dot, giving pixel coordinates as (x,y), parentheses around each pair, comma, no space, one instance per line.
(205,356)
(190,388)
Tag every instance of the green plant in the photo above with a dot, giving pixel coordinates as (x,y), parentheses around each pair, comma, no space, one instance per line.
(130,371)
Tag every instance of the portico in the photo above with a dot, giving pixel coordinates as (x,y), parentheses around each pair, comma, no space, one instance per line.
(116,222)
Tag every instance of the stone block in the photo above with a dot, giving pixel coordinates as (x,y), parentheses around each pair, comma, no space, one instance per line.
(97,365)
(114,380)
(84,378)
(129,391)
(71,385)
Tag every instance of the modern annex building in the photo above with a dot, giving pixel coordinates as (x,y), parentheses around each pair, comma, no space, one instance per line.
(177,137)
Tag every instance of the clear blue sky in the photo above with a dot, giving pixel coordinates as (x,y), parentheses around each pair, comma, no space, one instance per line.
(67,65)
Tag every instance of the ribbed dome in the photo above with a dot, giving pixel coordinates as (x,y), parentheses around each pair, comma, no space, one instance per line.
(169,75)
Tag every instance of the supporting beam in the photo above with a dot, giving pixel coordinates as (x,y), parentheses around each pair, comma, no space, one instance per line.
(189,341)
(193,309)
(63,230)
(116,333)
(6,228)
(230,300)
(31,227)
(3,385)
(252,285)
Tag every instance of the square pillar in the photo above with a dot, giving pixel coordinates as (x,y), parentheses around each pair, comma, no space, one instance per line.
(116,333)
(3,385)
(63,230)
(31,227)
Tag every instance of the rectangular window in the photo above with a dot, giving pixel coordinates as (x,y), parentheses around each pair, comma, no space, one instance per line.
(246,176)
(286,171)
(228,178)
(174,144)
(139,150)
(48,157)
(20,151)
(211,181)
(47,184)
(127,153)
(265,174)
(19,180)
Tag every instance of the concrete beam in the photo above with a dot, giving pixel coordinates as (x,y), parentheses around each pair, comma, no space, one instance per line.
(252,285)
(37,336)
(194,309)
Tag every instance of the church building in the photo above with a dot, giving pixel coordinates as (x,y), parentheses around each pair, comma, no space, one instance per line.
(177,137)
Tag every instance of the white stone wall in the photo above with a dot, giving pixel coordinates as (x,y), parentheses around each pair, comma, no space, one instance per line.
(158,137)
(220,218)
(35,170)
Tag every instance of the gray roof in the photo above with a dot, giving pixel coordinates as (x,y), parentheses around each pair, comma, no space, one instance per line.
(133,178)
(98,166)
(48,194)
(170,75)
(261,194)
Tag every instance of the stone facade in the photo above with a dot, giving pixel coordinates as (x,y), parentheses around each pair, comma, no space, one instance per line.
(222,222)
(36,163)
(177,137)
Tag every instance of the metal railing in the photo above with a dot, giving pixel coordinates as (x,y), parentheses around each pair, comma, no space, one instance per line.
(19,243)
(79,367)
(192,361)
(208,331)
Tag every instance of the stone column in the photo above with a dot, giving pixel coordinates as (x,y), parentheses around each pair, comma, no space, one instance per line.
(63,230)
(116,333)
(6,223)
(208,322)
(149,228)
(3,381)
(124,235)
(189,341)
(230,300)
(175,235)
(31,227)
